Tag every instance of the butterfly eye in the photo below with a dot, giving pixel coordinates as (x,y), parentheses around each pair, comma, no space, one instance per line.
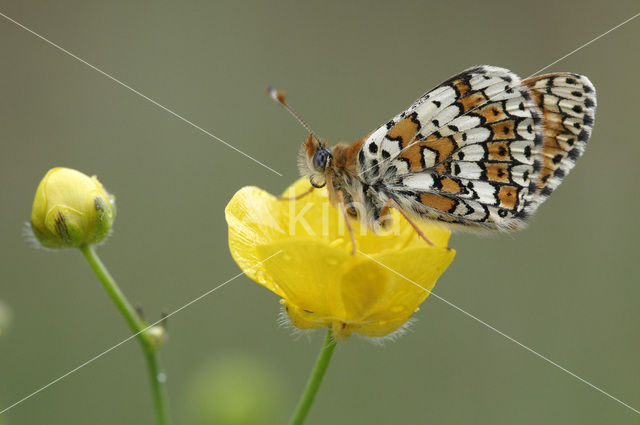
(321,159)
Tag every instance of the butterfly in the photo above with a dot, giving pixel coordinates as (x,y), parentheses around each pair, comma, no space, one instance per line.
(482,150)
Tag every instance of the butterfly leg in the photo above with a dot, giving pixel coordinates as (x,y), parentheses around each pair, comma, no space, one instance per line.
(343,208)
(295,198)
(393,204)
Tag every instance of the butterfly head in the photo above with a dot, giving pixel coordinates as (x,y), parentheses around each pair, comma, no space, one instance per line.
(314,161)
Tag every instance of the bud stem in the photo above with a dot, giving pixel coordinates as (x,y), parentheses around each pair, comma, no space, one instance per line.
(138,327)
(319,370)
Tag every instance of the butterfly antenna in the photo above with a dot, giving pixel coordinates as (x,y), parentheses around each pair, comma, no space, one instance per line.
(279,97)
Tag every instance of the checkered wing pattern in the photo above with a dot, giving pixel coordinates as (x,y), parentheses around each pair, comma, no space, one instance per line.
(483,149)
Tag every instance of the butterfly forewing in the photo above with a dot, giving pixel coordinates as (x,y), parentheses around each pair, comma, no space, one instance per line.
(475,150)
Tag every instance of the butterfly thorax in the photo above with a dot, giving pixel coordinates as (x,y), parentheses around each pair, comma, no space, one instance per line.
(364,202)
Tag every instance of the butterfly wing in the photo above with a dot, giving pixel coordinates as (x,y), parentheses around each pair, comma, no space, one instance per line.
(476,149)
(568,105)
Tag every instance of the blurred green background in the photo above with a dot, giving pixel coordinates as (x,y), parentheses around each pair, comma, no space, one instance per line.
(567,287)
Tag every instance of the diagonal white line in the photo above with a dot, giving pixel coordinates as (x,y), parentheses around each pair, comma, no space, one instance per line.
(114,79)
(414,141)
(585,45)
(532,351)
(91,360)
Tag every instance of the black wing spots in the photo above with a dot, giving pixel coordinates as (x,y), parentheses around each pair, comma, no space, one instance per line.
(422,149)
(537,139)
(502,212)
(506,78)
(588,120)
(480,69)
(373,148)
(571,81)
(546,191)
(574,154)
(559,173)
(437,183)
(577,108)
(583,136)
(577,93)
(525,93)
(414,119)
(390,124)
(385,154)
(436,123)
(587,88)
(361,157)
(464,137)
(537,118)
(437,103)
(533,186)
(453,128)
(456,169)
(589,103)
(537,166)
(556,159)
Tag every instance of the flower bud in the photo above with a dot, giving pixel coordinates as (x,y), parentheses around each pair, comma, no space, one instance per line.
(71,209)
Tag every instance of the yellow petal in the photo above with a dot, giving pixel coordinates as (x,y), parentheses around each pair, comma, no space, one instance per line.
(382,293)
(252,216)
(308,272)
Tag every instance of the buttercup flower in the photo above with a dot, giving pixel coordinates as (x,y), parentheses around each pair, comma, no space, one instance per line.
(301,251)
(71,209)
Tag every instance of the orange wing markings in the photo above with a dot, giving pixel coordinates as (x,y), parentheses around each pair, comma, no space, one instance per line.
(492,112)
(503,130)
(472,101)
(497,151)
(498,172)
(461,86)
(438,202)
(508,197)
(404,131)
(440,147)
(451,186)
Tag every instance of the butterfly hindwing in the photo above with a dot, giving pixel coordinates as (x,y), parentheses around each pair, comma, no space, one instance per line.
(568,103)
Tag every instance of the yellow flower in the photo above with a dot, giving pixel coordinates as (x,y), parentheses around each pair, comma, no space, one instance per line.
(71,209)
(320,282)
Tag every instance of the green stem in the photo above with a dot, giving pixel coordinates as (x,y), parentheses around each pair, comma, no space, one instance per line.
(137,326)
(309,395)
